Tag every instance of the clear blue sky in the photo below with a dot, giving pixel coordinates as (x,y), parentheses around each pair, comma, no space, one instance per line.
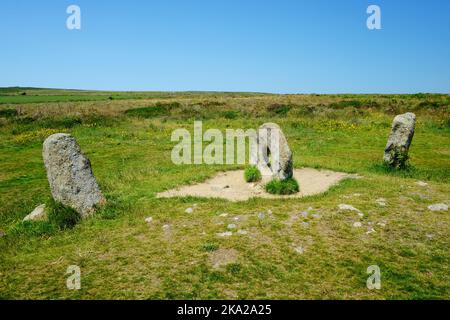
(281,46)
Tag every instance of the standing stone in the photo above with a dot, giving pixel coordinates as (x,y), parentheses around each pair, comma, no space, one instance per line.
(274,155)
(402,132)
(69,174)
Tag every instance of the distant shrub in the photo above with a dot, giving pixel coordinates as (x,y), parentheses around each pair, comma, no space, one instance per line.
(212,103)
(230,114)
(279,109)
(252,174)
(283,187)
(210,247)
(234,268)
(157,110)
(345,104)
(8,113)
(62,216)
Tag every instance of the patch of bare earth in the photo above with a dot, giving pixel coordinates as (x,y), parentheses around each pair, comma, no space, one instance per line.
(232,186)
(223,257)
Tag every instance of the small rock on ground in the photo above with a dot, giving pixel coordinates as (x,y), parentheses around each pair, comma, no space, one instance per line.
(225,234)
(38,214)
(149,219)
(189,210)
(421,184)
(231,226)
(299,249)
(438,207)
(348,207)
(381,202)
(357,224)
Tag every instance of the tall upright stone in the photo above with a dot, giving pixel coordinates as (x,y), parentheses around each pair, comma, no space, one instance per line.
(397,147)
(274,154)
(70,175)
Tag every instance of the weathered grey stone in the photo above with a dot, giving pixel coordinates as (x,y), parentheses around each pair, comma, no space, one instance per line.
(438,207)
(274,155)
(402,132)
(38,214)
(70,175)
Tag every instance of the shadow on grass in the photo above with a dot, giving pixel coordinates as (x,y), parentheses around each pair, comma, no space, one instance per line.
(413,172)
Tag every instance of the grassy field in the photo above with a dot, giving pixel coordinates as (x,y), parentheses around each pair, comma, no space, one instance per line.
(127,138)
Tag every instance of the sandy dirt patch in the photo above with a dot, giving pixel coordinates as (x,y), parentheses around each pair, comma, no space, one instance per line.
(231,185)
(223,257)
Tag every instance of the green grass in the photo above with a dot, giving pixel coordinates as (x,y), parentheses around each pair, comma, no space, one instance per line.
(282,187)
(123,257)
(252,174)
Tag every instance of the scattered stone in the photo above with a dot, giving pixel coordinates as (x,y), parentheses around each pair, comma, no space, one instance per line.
(402,132)
(309,209)
(357,194)
(2,234)
(242,232)
(189,210)
(225,234)
(371,230)
(223,215)
(305,224)
(438,207)
(304,214)
(422,184)
(316,216)
(38,214)
(357,224)
(231,226)
(149,220)
(429,236)
(166,227)
(350,208)
(274,156)
(381,202)
(269,212)
(381,224)
(347,207)
(299,249)
(70,175)
(261,216)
